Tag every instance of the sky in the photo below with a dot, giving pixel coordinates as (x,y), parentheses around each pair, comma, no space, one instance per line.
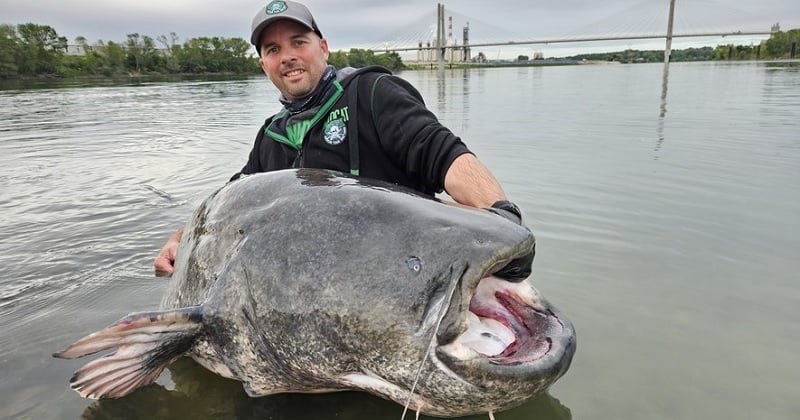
(375,23)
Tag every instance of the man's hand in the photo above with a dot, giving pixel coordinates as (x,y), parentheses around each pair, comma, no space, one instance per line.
(165,260)
(519,268)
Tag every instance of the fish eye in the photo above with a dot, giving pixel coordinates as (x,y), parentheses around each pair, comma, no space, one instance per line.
(414,264)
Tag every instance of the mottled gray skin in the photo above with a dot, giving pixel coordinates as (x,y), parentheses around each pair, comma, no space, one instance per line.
(307,279)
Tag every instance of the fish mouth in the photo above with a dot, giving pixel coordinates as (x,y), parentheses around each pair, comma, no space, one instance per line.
(507,329)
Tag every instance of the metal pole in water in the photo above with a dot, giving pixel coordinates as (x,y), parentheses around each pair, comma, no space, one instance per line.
(440,41)
(668,49)
(665,77)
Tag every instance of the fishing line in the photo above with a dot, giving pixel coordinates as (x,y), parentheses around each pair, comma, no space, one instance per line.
(446,300)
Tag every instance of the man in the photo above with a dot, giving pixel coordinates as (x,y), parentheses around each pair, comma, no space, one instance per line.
(362,121)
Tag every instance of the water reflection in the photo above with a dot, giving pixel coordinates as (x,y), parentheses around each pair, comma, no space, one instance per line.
(453,98)
(26,85)
(441,90)
(200,394)
(663,109)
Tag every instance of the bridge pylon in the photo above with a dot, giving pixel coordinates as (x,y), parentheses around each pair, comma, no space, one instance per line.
(440,50)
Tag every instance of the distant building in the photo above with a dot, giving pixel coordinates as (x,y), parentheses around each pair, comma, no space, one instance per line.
(77,49)
(480,58)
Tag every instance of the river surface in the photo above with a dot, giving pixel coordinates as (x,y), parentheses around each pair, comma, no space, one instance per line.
(668,231)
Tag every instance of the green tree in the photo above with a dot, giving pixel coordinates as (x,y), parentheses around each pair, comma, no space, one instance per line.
(339,59)
(734,52)
(133,52)
(40,49)
(238,56)
(153,59)
(8,52)
(95,61)
(720,52)
(72,65)
(361,58)
(216,55)
(171,52)
(390,60)
(141,54)
(779,45)
(193,58)
(115,58)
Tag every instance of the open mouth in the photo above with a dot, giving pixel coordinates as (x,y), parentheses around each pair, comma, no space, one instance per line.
(293,73)
(509,324)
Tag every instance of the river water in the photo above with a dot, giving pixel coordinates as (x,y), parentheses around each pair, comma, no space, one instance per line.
(668,230)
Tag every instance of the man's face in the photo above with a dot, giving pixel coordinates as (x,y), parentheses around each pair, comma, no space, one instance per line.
(293,58)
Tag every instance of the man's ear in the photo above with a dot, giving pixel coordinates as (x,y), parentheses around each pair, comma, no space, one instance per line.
(263,66)
(323,43)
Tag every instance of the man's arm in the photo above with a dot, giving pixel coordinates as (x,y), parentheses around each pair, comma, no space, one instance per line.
(470,183)
(165,260)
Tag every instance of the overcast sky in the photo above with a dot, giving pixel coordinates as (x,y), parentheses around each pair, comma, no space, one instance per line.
(367,23)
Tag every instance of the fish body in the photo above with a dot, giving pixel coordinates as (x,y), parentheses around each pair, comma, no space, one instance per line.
(314,281)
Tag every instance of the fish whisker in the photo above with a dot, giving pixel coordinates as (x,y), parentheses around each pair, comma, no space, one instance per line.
(432,342)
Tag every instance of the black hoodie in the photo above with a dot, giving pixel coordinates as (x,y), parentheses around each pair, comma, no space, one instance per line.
(390,136)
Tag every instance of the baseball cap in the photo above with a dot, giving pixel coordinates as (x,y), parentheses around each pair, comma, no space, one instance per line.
(281,9)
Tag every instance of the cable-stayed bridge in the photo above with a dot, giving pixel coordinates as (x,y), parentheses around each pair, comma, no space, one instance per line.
(443,31)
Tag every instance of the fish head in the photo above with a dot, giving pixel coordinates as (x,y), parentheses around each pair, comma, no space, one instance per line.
(496,343)
(464,341)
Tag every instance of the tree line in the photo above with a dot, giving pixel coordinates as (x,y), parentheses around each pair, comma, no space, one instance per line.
(780,45)
(360,58)
(32,50)
(649,56)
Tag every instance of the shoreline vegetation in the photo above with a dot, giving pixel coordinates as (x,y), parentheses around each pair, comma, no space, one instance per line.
(36,52)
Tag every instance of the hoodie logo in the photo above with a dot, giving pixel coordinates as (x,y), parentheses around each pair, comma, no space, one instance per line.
(335,132)
(335,128)
(275,7)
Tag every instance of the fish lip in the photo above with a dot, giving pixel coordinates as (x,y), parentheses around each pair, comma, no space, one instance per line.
(544,340)
(526,321)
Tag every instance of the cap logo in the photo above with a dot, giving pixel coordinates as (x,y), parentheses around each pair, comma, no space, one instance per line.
(275,7)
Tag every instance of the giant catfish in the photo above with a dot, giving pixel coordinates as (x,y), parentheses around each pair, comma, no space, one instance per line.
(314,281)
